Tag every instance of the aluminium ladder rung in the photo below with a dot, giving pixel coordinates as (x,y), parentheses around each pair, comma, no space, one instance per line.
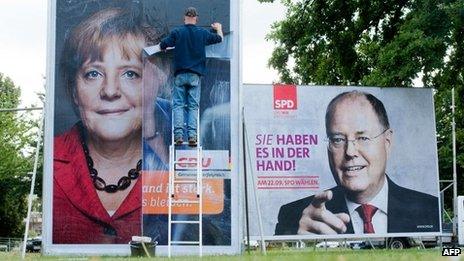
(192,181)
(185,143)
(183,166)
(186,242)
(184,201)
(188,164)
(185,221)
(173,197)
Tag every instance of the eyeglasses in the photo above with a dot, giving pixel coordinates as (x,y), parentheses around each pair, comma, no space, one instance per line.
(337,142)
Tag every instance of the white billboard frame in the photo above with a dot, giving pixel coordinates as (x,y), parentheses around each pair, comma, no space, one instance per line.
(460,219)
(119,249)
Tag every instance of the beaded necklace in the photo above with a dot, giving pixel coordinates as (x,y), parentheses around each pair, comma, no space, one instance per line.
(100,184)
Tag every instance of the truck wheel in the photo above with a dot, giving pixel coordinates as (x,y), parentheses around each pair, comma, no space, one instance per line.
(397,244)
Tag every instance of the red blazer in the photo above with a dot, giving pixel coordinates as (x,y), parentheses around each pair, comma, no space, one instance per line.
(78,214)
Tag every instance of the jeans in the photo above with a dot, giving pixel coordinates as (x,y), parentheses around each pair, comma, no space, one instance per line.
(185,101)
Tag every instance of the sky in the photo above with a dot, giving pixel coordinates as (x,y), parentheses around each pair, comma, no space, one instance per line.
(23,37)
(23,43)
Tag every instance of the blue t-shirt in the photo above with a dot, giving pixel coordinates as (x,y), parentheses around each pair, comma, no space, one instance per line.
(189,41)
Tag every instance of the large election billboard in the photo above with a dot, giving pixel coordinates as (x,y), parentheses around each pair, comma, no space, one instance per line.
(109,127)
(341,162)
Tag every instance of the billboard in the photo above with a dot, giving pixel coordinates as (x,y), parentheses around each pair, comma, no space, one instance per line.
(109,127)
(340,162)
(460,225)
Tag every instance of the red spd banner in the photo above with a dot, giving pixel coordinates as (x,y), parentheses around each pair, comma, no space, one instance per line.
(285,97)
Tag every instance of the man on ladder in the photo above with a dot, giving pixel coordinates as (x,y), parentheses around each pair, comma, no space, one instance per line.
(189,41)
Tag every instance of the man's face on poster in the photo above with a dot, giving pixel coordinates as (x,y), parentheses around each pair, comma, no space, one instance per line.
(358,148)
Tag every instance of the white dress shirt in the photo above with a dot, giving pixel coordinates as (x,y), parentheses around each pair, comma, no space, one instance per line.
(379,220)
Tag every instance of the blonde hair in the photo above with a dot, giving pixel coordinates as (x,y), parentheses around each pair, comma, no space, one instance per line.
(89,39)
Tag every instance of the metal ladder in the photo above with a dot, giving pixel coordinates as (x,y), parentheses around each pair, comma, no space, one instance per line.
(175,182)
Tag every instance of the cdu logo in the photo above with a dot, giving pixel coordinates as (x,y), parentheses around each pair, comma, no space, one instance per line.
(285,97)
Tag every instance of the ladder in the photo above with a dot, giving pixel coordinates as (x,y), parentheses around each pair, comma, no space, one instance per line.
(176,198)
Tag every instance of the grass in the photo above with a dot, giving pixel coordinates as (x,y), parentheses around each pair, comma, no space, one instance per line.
(307,254)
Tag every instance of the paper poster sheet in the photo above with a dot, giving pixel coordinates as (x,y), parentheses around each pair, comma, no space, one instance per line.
(332,162)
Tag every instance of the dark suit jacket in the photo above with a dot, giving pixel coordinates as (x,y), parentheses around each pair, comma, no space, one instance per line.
(408,211)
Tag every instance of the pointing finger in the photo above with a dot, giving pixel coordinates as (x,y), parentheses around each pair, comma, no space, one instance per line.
(316,227)
(332,221)
(344,217)
(320,199)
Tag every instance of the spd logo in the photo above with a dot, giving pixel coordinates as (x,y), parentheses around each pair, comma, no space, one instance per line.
(285,97)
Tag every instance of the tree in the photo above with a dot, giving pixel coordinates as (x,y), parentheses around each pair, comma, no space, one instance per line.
(16,133)
(379,43)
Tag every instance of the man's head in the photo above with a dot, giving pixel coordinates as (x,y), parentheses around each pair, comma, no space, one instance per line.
(360,139)
(190,15)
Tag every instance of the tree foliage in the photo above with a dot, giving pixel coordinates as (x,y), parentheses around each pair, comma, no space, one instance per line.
(16,135)
(379,43)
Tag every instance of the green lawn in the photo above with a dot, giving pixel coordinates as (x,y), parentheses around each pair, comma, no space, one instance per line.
(286,255)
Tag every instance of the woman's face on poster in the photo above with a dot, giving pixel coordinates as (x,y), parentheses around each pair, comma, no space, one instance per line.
(109,91)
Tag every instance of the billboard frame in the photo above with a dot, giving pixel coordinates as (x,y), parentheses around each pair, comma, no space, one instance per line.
(124,249)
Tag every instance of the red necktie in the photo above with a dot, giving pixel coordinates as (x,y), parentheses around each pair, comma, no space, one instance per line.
(367,212)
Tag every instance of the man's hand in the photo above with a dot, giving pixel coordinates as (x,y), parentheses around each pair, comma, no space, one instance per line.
(218,27)
(316,219)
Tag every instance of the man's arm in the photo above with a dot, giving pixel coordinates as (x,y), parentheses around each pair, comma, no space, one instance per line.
(169,41)
(218,28)
(215,37)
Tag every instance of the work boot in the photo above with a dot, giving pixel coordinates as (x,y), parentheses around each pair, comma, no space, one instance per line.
(193,141)
(178,141)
